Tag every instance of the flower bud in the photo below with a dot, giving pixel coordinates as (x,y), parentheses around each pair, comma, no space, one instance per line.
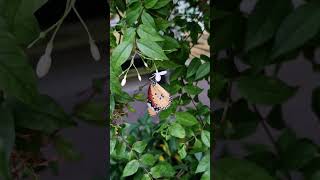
(145,64)
(43,65)
(124,80)
(139,77)
(94,50)
(49,49)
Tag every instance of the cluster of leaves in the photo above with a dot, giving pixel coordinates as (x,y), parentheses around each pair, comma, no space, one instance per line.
(29,120)
(178,146)
(273,33)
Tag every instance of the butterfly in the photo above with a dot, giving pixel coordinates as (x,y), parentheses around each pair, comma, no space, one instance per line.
(158,98)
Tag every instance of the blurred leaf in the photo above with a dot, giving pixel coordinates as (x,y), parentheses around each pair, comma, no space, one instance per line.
(4,162)
(311,170)
(121,53)
(204,164)
(162,169)
(150,3)
(169,44)
(316,101)
(286,139)
(65,149)
(113,143)
(148,159)
(264,90)
(91,112)
(275,118)
(236,169)
(7,131)
(160,4)
(129,35)
(186,119)
(131,168)
(162,24)
(298,27)
(139,146)
(192,89)
(177,130)
(205,137)
(203,70)
(147,19)
(148,33)
(264,21)
(177,73)
(151,49)
(206,175)
(219,85)
(182,151)
(133,13)
(265,159)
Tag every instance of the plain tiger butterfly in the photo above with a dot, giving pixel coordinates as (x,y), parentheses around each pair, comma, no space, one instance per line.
(158,98)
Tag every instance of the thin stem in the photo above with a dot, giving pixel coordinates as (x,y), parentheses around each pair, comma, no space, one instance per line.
(82,21)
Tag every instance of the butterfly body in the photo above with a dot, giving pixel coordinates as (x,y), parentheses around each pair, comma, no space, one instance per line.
(158,99)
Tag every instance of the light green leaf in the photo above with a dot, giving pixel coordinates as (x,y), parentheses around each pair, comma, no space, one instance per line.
(186,119)
(151,49)
(205,137)
(146,177)
(147,19)
(148,159)
(203,70)
(148,33)
(163,169)
(177,130)
(264,90)
(139,146)
(160,4)
(121,53)
(131,168)
(206,175)
(204,164)
(297,28)
(133,13)
(113,143)
(150,3)
(129,34)
(182,151)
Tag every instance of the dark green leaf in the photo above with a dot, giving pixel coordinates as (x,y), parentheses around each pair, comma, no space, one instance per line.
(148,33)
(163,169)
(193,67)
(131,168)
(148,159)
(91,112)
(275,118)
(169,44)
(65,149)
(186,119)
(150,3)
(160,4)
(121,53)
(151,49)
(205,137)
(7,131)
(133,13)
(298,27)
(192,90)
(147,19)
(177,130)
(178,73)
(286,139)
(264,21)
(203,70)
(139,146)
(162,24)
(4,162)
(264,90)
(236,169)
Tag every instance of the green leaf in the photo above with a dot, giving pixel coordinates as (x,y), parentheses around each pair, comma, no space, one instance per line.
(205,137)
(264,21)
(316,101)
(162,24)
(151,49)
(114,82)
(17,78)
(121,53)
(160,4)
(286,139)
(298,28)
(131,168)
(204,164)
(163,169)
(206,175)
(177,73)
(91,112)
(65,149)
(275,118)
(113,143)
(4,162)
(236,169)
(192,90)
(129,34)
(169,44)
(146,177)
(147,19)
(133,13)
(148,159)
(193,67)
(148,33)
(186,119)
(264,90)
(177,130)
(139,146)
(182,151)
(46,115)
(7,131)
(150,3)
(203,70)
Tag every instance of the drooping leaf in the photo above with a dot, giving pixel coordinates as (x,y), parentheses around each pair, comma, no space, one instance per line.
(151,49)
(121,53)
(298,27)
(133,13)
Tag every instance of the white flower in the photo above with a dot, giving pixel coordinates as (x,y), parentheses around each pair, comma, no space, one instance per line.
(43,65)
(94,50)
(139,77)
(159,74)
(124,80)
